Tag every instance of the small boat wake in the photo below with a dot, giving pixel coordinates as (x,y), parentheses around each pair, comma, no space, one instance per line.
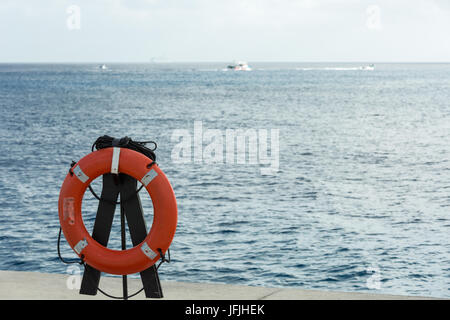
(369,67)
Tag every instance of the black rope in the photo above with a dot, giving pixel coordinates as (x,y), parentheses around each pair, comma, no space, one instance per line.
(103,144)
(126,142)
(71,166)
(163,257)
(59,252)
(81,261)
(114,202)
(109,295)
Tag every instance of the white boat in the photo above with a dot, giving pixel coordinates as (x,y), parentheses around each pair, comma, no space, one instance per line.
(370,67)
(102,66)
(239,66)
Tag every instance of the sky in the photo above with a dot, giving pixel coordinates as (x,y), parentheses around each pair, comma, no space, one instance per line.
(224,30)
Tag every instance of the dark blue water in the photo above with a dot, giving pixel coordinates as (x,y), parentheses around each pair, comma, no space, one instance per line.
(361,201)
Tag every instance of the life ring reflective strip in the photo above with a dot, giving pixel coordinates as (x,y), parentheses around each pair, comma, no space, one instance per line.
(134,164)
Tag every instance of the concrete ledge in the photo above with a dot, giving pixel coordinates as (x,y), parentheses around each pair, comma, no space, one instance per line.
(44,286)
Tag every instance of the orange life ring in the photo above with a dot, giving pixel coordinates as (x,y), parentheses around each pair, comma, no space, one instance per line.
(134,164)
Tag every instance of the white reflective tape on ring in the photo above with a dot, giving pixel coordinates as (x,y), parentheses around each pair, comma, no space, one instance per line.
(80,174)
(152,174)
(115,161)
(80,246)
(148,252)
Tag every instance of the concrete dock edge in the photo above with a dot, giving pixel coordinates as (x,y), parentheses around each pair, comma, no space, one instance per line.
(20,285)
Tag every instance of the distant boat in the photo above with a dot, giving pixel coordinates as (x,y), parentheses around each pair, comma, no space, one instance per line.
(102,67)
(239,66)
(370,67)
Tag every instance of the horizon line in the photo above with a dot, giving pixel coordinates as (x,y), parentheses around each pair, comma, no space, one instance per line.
(211,61)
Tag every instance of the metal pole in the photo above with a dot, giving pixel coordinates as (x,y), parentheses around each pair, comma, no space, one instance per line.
(124,247)
(134,215)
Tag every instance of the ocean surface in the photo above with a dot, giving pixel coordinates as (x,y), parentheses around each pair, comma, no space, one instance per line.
(361,200)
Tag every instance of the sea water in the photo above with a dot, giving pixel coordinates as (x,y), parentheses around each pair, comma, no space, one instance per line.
(360,200)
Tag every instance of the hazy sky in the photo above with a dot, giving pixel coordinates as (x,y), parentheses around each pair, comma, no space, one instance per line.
(224,30)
